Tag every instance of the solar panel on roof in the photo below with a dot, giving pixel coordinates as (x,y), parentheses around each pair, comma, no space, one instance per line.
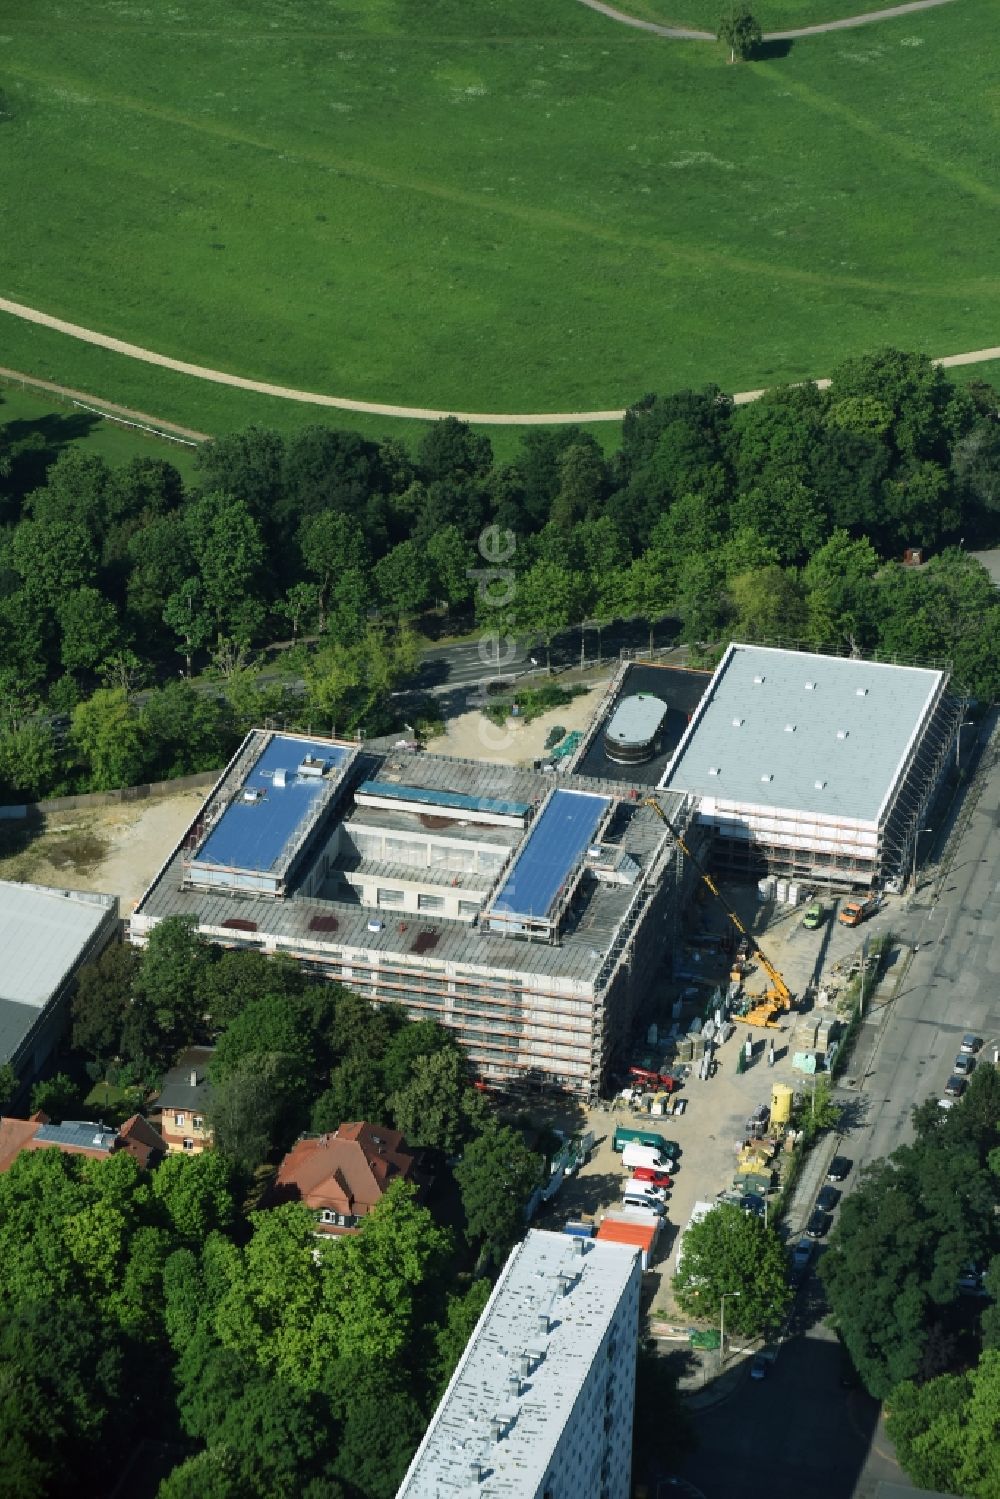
(427,797)
(548,856)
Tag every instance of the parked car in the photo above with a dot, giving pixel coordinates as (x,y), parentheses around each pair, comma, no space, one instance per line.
(814,916)
(652,1176)
(955,1086)
(827,1199)
(964,1064)
(971,1043)
(946,1103)
(818,1224)
(802,1253)
(838,1169)
(758,1366)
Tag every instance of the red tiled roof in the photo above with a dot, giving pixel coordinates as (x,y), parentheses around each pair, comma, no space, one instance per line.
(347,1172)
(15,1134)
(140,1139)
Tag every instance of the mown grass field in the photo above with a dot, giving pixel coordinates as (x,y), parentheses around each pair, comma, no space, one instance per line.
(497,205)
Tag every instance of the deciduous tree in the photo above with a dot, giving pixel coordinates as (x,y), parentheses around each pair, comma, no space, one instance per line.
(730,1251)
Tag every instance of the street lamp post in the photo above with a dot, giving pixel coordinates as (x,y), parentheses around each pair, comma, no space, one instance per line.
(726,1295)
(916,845)
(966,723)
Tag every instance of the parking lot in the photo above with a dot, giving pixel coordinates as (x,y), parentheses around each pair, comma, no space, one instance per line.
(712,1126)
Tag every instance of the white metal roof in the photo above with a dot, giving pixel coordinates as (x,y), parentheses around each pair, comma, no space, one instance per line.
(561,1357)
(788,730)
(42,934)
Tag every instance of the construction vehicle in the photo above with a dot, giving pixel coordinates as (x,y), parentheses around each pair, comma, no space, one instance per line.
(856,911)
(777,997)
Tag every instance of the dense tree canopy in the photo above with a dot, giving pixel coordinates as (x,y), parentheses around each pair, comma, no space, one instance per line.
(721,516)
(906,1234)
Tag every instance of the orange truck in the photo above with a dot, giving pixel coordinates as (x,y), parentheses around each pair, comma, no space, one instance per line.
(857,911)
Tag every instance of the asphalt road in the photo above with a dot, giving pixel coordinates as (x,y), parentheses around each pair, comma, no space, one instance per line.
(798,1431)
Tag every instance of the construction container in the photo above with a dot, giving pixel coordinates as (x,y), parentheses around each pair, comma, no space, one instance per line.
(781,891)
(794,890)
(781,1103)
(765,888)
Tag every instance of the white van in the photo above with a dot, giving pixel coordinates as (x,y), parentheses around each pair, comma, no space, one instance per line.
(641,1195)
(643,1155)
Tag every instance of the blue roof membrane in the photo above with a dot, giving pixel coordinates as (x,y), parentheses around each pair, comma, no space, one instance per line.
(457,799)
(558,838)
(253,835)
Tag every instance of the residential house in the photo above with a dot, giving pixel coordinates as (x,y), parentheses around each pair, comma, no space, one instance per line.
(184,1101)
(79,1137)
(345,1175)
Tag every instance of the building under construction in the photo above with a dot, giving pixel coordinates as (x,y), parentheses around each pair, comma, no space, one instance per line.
(817,767)
(525,914)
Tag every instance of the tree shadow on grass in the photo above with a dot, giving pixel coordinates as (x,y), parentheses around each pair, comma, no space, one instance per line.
(772,51)
(36,444)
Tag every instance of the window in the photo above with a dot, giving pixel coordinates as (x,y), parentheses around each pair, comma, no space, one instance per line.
(430,902)
(326,1216)
(188,1144)
(468,908)
(180,1120)
(390,897)
(198,1121)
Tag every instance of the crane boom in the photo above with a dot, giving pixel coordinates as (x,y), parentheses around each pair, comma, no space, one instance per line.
(780,989)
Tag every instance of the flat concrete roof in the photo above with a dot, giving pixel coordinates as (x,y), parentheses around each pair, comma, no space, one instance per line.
(792,731)
(459,1431)
(588,933)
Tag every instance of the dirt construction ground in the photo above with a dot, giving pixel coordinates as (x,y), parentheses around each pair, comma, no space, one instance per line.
(474,737)
(712,1125)
(116,850)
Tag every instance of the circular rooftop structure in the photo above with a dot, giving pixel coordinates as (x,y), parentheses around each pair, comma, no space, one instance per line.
(631,736)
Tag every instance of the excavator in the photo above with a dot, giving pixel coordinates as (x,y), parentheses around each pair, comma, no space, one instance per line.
(777,997)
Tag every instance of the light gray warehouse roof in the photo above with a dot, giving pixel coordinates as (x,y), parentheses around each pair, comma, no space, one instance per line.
(807,733)
(560,1360)
(42,934)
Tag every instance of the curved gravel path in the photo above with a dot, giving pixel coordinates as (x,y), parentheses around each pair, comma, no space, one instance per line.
(344,403)
(684,34)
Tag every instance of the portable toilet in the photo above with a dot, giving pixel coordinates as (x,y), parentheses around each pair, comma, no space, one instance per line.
(781,1103)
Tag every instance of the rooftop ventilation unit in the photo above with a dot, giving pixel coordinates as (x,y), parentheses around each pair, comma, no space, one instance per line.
(757,681)
(715,770)
(281,777)
(861,692)
(737,723)
(767,776)
(253,794)
(841,733)
(819,785)
(312,765)
(810,686)
(789,728)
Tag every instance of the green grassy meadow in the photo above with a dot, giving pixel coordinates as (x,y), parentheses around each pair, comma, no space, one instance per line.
(496,205)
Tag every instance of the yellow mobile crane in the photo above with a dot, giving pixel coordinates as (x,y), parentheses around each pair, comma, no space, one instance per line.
(777,997)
